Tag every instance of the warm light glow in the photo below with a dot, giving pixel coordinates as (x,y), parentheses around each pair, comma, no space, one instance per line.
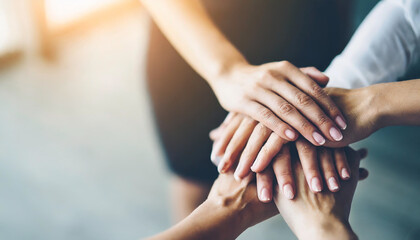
(8,30)
(64,11)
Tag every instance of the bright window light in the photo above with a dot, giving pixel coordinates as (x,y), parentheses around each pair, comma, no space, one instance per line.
(8,27)
(64,11)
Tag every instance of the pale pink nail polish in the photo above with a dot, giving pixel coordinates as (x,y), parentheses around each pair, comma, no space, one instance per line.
(221,166)
(318,138)
(341,123)
(332,182)
(265,196)
(345,173)
(336,134)
(288,191)
(290,134)
(316,185)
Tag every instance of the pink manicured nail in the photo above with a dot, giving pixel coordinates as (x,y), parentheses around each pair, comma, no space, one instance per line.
(221,166)
(318,138)
(333,184)
(316,185)
(340,122)
(265,195)
(288,191)
(290,134)
(345,173)
(336,134)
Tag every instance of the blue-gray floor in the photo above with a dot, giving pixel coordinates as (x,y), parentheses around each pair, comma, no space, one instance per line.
(79,157)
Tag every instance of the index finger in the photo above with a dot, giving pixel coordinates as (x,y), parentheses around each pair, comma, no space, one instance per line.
(310,87)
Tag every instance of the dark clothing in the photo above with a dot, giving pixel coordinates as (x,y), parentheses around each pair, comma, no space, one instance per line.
(304,32)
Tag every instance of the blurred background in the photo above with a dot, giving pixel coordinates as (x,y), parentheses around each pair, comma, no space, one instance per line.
(79,155)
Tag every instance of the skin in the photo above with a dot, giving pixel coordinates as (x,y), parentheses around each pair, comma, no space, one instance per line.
(277,94)
(324,215)
(233,206)
(366,112)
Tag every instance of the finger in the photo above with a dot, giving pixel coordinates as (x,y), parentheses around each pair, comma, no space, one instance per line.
(265,185)
(328,168)
(307,85)
(363,153)
(341,163)
(308,157)
(215,133)
(282,167)
(267,152)
(309,108)
(255,142)
(316,75)
(288,113)
(238,141)
(215,159)
(225,138)
(363,174)
(269,119)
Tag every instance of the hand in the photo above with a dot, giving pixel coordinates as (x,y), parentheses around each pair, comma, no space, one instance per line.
(283,98)
(240,198)
(241,137)
(322,215)
(360,109)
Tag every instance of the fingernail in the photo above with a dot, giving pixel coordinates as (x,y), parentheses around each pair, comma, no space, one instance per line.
(265,195)
(336,134)
(333,183)
(236,177)
(316,185)
(345,174)
(221,166)
(217,160)
(340,122)
(288,191)
(318,138)
(254,166)
(290,134)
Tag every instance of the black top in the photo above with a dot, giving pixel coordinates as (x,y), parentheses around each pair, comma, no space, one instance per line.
(304,32)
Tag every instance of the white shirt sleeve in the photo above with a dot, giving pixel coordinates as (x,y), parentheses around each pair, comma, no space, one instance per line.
(383,47)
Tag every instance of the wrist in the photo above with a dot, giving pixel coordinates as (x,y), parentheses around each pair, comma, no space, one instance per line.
(327,229)
(224,217)
(378,108)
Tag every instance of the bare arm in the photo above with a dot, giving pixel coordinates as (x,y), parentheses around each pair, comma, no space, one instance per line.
(276,94)
(372,108)
(230,209)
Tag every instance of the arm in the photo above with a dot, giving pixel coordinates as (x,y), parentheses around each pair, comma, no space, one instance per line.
(230,209)
(372,108)
(383,47)
(276,94)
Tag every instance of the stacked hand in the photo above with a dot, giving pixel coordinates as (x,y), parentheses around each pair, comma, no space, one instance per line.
(251,146)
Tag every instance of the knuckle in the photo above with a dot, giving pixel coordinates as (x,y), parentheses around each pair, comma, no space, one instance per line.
(303,99)
(322,119)
(306,148)
(267,74)
(284,64)
(317,91)
(285,108)
(306,126)
(265,151)
(265,113)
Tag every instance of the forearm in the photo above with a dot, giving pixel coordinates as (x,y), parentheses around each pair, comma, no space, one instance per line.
(191,31)
(397,103)
(208,221)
